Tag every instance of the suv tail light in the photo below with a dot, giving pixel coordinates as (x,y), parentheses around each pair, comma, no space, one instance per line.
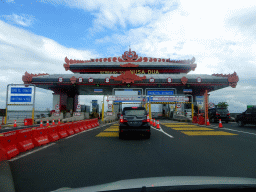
(217,113)
(146,120)
(228,114)
(122,120)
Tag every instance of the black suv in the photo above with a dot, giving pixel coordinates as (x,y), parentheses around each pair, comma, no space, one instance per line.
(214,114)
(247,117)
(134,120)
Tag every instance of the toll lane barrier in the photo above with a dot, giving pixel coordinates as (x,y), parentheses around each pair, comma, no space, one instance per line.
(8,142)
(40,136)
(24,139)
(53,133)
(14,142)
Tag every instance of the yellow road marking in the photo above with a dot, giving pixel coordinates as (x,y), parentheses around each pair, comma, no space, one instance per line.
(108,134)
(112,129)
(175,123)
(181,126)
(198,133)
(193,129)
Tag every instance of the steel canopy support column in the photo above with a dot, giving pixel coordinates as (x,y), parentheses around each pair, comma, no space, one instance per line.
(206,106)
(149,110)
(102,109)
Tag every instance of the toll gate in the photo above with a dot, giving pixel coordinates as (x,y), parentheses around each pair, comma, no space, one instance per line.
(151,76)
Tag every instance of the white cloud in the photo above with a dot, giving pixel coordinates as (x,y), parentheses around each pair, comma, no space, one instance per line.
(23,51)
(23,20)
(110,14)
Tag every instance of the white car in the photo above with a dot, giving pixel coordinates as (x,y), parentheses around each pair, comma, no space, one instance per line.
(188,113)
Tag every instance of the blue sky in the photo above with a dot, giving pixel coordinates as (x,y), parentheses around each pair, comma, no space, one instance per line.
(36,36)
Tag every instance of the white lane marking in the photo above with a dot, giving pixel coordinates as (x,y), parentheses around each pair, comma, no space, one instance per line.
(29,153)
(161,130)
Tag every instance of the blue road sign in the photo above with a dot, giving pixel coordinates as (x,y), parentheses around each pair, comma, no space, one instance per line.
(160,93)
(20,98)
(21,90)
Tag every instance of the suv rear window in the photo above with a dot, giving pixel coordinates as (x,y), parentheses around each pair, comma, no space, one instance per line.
(135,112)
(222,110)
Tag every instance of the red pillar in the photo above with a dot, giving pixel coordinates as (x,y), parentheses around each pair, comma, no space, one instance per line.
(75,99)
(63,101)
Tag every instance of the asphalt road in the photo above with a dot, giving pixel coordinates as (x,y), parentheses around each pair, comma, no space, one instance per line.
(97,156)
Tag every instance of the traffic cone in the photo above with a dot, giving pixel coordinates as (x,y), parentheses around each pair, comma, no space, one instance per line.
(53,123)
(41,123)
(220,124)
(208,123)
(154,124)
(158,126)
(59,122)
(47,124)
(15,124)
(25,122)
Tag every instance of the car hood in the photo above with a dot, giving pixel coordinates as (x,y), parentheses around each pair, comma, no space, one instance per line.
(161,182)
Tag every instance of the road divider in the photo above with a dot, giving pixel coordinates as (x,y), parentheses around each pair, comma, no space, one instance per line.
(12,143)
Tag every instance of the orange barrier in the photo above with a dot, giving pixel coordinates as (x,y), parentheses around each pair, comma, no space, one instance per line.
(76,128)
(201,120)
(8,141)
(40,136)
(81,126)
(91,122)
(28,122)
(88,124)
(194,119)
(62,131)
(53,133)
(14,142)
(69,129)
(24,139)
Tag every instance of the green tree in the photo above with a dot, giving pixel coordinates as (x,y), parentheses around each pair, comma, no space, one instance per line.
(222,105)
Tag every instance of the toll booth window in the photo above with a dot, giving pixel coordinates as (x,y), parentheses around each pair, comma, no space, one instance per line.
(135,112)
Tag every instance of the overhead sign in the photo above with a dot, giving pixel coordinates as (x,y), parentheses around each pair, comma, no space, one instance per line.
(160,93)
(98,90)
(187,90)
(125,98)
(25,99)
(169,99)
(21,90)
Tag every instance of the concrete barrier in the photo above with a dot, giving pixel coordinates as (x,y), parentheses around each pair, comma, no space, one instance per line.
(37,121)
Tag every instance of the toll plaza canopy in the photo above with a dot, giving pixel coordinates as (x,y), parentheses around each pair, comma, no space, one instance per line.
(101,75)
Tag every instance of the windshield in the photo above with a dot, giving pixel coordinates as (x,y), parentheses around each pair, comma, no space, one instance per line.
(99,91)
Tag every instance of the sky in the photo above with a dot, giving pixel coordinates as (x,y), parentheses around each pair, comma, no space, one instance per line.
(36,36)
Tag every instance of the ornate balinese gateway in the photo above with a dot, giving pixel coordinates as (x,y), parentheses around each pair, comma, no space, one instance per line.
(99,77)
